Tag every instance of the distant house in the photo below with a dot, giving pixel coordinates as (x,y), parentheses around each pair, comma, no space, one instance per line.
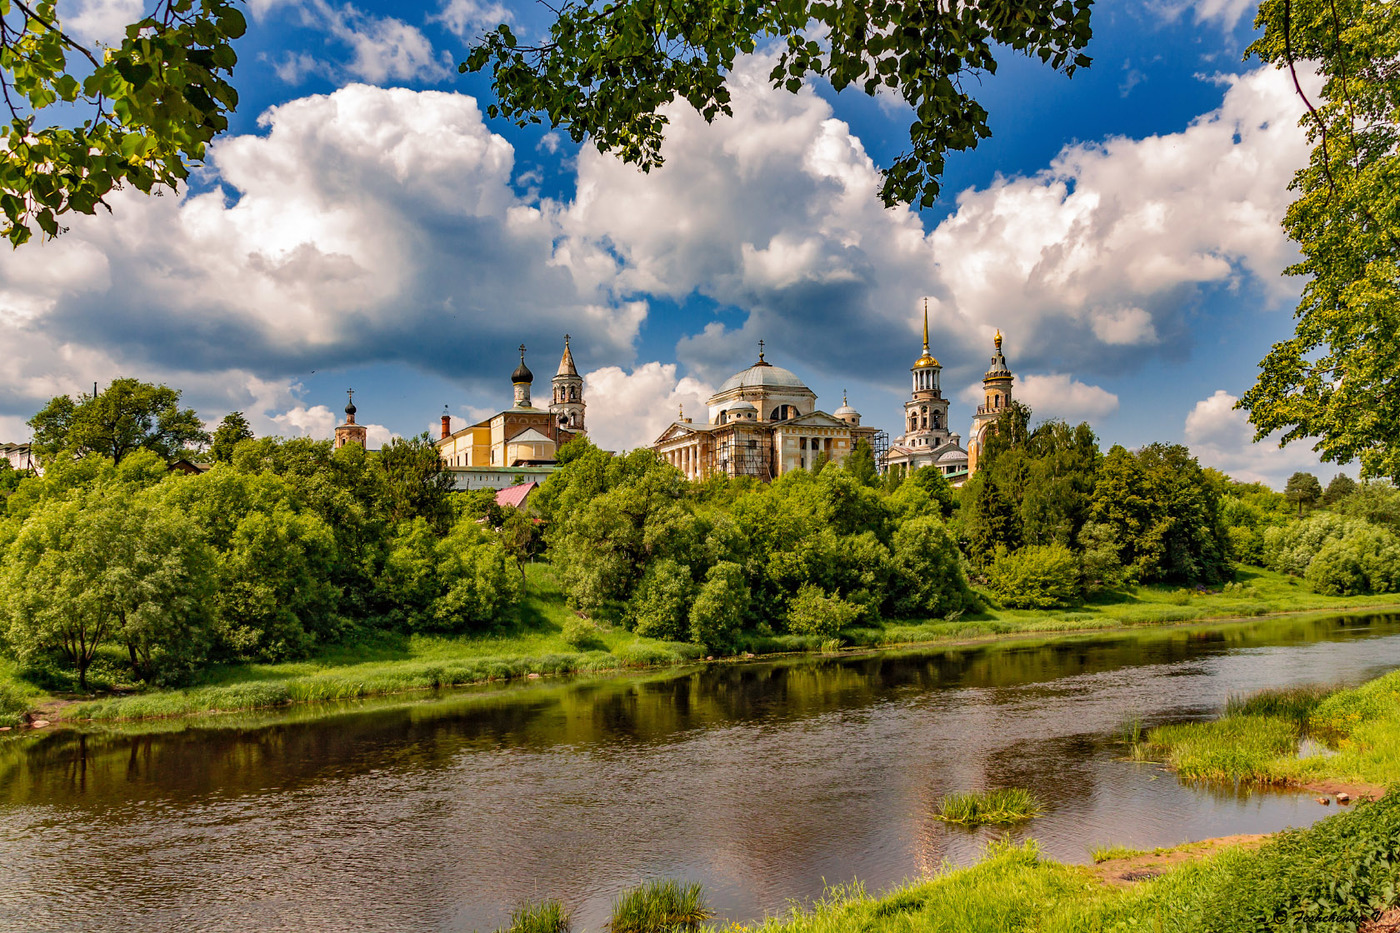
(188,467)
(515,496)
(20,456)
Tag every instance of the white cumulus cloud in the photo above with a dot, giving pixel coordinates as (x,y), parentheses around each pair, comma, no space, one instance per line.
(1221,436)
(1054,395)
(631,409)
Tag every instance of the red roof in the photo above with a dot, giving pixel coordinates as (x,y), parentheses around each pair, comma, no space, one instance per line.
(514,496)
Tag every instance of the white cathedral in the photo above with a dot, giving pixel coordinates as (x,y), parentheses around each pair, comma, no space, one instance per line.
(763,422)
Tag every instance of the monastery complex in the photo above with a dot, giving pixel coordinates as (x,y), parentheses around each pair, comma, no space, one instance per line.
(763,422)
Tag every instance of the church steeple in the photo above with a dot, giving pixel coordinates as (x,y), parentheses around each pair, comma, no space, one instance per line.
(566,404)
(350,432)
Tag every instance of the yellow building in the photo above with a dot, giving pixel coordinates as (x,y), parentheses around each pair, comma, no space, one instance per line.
(521,440)
(763,422)
(996,398)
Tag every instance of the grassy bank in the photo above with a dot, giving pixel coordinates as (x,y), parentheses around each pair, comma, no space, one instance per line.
(1333,876)
(544,639)
(1352,736)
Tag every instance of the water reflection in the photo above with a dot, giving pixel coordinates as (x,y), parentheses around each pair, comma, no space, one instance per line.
(760,780)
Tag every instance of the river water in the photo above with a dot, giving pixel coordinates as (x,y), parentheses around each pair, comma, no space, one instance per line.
(762,780)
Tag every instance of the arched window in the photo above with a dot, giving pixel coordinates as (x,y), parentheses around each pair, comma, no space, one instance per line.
(936,422)
(573,393)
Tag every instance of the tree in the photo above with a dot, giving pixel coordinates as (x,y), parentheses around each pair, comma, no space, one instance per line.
(1303,490)
(133,114)
(231,430)
(419,484)
(718,613)
(1333,380)
(1338,490)
(861,464)
(129,415)
(927,579)
(1163,513)
(99,567)
(608,67)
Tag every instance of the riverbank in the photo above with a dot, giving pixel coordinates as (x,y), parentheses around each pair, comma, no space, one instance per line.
(1339,874)
(537,645)
(1334,741)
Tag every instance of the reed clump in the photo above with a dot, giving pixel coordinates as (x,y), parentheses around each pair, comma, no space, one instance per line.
(1295,703)
(1107,853)
(660,907)
(545,917)
(990,808)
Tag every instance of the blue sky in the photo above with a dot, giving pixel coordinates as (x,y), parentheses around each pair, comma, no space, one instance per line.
(363,224)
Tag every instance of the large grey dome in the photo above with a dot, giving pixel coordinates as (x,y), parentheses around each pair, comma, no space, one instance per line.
(763,374)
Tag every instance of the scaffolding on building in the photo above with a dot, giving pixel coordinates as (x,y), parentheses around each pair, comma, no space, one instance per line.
(740,454)
(880,447)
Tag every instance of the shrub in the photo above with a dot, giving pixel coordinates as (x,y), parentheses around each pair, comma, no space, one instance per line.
(1366,559)
(583,635)
(813,612)
(1035,577)
(12,704)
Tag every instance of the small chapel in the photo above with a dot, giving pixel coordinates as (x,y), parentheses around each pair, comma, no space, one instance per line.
(520,441)
(762,422)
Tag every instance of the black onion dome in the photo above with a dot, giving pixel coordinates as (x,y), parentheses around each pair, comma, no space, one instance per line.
(351,409)
(522,372)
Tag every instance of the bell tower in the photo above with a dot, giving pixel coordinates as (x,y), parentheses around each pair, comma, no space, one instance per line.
(926,412)
(996,398)
(567,404)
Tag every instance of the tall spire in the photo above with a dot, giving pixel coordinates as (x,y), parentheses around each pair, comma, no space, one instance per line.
(926,327)
(566,362)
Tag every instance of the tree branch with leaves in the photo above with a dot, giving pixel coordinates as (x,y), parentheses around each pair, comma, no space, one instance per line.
(148,107)
(609,67)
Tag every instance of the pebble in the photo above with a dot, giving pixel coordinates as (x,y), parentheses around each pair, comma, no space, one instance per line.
(5,728)
(1324,801)
(38,724)
(1344,798)
(533,676)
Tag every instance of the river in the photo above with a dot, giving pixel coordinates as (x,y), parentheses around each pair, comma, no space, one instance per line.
(763,780)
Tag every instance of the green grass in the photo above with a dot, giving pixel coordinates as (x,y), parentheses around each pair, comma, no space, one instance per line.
(1295,703)
(544,917)
(1234,748)
(990,808)
(660,907)
(1257,738)
(1106,853)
